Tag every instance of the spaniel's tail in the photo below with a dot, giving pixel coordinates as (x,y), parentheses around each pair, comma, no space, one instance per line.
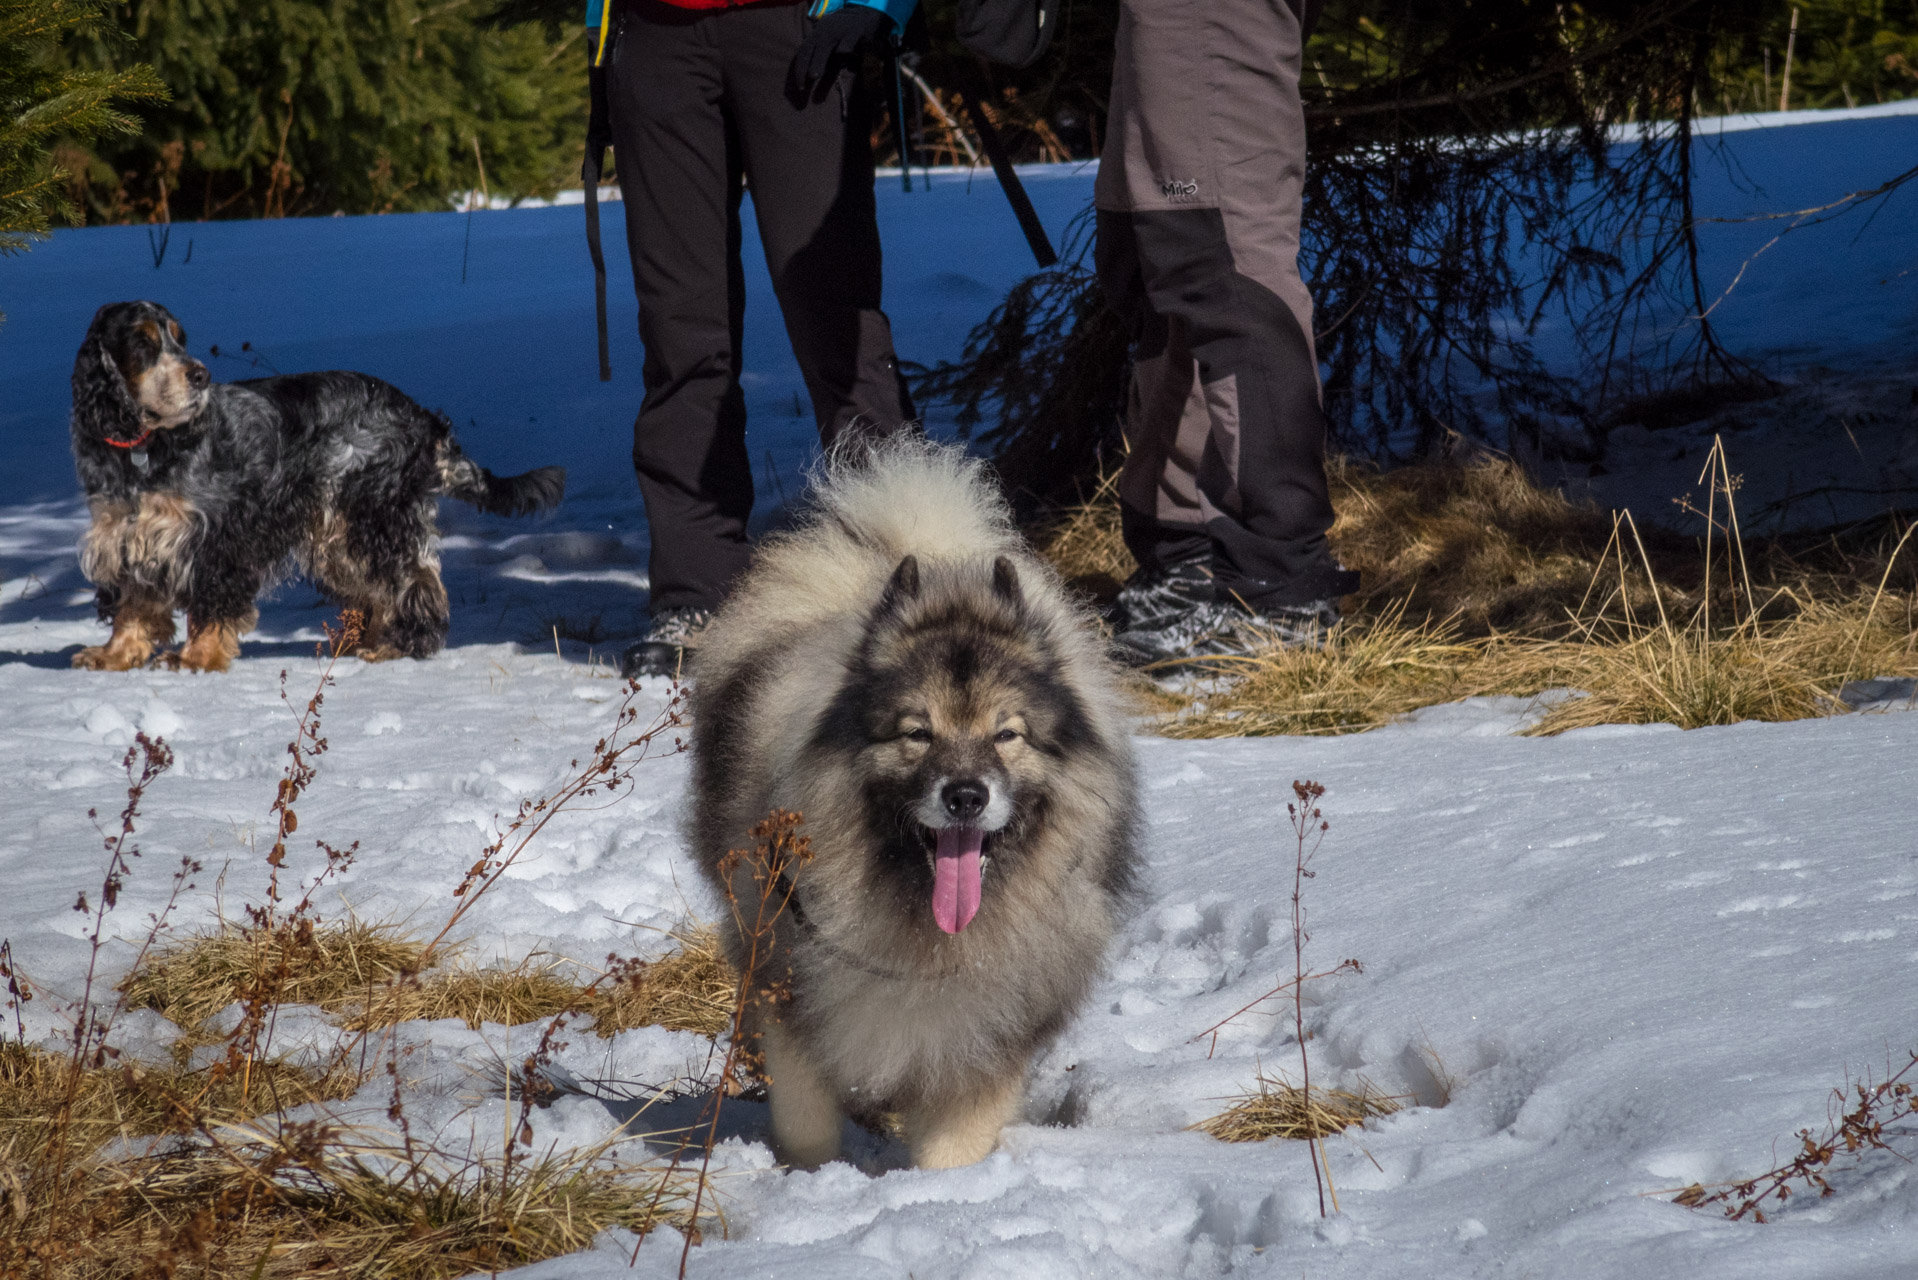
(460,477)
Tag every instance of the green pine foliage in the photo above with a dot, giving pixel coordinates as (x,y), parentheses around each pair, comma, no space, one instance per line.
(1848,53)
(291,107)
(44,102)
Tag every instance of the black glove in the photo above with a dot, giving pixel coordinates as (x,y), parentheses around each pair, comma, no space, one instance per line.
(839,39)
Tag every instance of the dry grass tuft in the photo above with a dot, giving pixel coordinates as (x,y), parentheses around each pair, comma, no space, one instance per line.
(1476,543)
(367,973)
(1790,670)
(1085,545)
(1373,670)
(691,988)
(1281,1110)
(1366,674)
(1477,581)
(191,980)
(129,1100)
(304,1200)
(524,993)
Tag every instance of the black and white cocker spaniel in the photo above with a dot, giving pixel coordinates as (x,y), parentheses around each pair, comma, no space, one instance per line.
(205,493)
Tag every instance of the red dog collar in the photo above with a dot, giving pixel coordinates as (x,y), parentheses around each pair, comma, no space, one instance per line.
(130,444)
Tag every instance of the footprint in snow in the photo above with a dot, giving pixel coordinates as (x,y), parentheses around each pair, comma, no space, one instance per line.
(383,723)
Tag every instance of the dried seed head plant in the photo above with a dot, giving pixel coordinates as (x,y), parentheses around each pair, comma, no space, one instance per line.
(1317,1109)
(779,854)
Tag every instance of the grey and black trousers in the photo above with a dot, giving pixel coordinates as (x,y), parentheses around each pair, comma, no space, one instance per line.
(1199,205)
(700,112)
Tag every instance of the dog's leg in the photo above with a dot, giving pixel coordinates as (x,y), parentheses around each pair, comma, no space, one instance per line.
(211,646)
(141,623)
(806,1117)
(961,1129)
(395,585)
(417,626)
(229,572)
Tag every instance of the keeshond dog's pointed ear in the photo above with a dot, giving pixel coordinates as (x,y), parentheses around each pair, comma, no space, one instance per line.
(1005,582)
(901,591)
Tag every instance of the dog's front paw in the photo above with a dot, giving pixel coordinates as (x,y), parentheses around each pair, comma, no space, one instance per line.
(108,657)
(188,659)
(209,647)
(377,653)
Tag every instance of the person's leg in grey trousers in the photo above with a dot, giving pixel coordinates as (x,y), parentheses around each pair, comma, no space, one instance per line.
(699,108)
(1199,193)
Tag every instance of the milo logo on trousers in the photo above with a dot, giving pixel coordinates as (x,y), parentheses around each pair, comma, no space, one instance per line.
(1179,190)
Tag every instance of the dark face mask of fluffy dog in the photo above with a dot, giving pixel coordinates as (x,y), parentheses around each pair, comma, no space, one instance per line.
(135,374)
(964,729)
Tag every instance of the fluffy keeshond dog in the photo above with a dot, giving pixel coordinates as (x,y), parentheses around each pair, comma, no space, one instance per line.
(903,672)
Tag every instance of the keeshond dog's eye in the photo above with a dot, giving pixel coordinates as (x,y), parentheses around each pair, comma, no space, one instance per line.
(919,735)
(1006,735)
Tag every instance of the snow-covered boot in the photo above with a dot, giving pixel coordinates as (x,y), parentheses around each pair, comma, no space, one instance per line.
(1217,628)
(668,643)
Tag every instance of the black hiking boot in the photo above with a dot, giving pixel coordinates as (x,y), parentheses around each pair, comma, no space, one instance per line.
(668,644)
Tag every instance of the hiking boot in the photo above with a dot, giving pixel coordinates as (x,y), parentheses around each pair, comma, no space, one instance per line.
(668,643)
(1155,597)
(1222,628)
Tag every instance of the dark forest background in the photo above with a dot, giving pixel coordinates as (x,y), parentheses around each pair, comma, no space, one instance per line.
(367,106)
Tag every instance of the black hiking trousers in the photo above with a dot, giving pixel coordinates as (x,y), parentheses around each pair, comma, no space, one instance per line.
(700,112)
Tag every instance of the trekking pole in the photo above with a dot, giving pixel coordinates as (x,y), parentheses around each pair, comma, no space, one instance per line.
(899,120)
(1036,238)
(599,134)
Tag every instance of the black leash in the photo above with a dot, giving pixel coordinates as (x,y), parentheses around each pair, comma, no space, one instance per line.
(599,135)
(1036,238)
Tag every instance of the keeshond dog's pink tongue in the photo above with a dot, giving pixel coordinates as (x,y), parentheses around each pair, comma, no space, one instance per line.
(955,877)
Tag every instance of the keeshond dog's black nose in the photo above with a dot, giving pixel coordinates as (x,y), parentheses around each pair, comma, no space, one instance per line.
(965,800)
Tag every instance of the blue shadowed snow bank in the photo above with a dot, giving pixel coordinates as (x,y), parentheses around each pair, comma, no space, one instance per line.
(1843,293)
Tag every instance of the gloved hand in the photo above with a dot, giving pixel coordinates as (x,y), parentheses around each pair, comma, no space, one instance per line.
(839,39)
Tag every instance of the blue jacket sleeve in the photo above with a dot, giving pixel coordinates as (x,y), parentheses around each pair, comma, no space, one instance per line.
(898,10)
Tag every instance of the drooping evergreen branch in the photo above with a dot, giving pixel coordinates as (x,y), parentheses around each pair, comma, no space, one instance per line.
(43,102)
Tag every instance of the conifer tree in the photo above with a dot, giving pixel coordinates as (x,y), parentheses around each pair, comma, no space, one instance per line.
(43,102)
(287,107)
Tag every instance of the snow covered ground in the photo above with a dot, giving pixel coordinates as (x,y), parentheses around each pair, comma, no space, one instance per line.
(1642,957)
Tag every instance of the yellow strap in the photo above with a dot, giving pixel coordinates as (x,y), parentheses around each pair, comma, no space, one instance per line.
(605,29)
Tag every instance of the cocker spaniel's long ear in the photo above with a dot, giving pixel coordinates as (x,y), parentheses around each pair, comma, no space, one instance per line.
(103,404)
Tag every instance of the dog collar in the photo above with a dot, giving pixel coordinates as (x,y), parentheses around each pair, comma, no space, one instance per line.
(130,444)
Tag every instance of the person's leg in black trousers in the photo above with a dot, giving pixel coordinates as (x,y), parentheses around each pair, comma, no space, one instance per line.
(679,173)
(700,102)
(809,173)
